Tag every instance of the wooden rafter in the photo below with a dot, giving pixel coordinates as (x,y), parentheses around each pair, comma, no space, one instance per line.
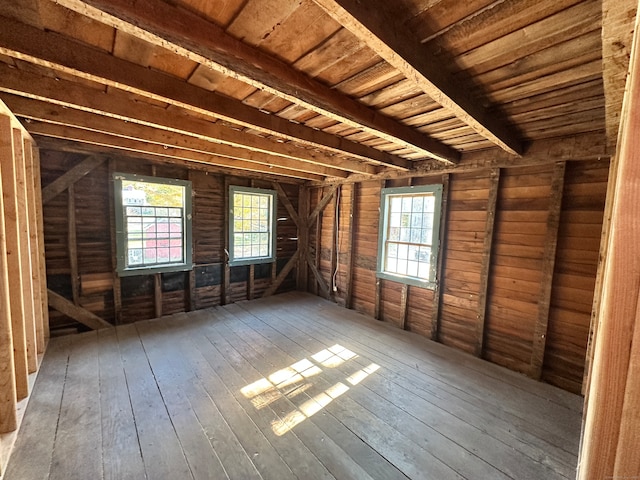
(193,37)
(116,104)
(70,177)
(53,50)
(143,147)
(50,113)
(374,25)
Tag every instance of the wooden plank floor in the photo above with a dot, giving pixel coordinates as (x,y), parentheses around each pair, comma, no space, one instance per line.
(287,387)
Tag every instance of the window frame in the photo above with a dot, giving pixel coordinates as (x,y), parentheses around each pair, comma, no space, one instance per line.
(385,195)
(121,234)
(273,195)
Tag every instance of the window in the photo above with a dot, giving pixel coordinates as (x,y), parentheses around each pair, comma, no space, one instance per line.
(409,233)
(153,224)
(251,226)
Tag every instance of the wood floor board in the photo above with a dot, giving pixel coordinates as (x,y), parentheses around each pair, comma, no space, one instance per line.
(451,439)
(287,387)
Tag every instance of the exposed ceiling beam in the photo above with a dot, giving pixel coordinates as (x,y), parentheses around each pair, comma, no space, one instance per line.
(52,50)
(50,113)
(143,147)
(117,104)
(373,23)
(193,37)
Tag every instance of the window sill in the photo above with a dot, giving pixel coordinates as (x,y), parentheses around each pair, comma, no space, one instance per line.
(130,272)
(414,282)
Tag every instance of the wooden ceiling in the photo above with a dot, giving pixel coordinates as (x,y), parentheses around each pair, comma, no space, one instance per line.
(319,90)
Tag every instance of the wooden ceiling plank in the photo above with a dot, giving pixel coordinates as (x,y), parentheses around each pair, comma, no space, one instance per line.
(55,51)
(155,150)
(193,37)
(372,24)
(118,105)
(50,113)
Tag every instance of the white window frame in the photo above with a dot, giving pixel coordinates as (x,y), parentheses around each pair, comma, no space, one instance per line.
(433,242)
(235,259)
(123,268)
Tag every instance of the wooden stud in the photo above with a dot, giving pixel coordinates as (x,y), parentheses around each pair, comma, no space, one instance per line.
(25,248)
(318,245)
(378,290)
(303,237)
(34,252)
(225,291)
(251,282)
(335,232)
(191,276)
(117,290)
(73,244)
(157,294)
(61,183)
(282,275)
(404,301)
(485,268)
(353,222)
(10,265)
(79,314)
(548,265)
(41,252)
(437,291)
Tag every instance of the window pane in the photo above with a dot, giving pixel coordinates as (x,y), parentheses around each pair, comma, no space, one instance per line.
(403,251)
(392,265)
(412,268)
(396,204)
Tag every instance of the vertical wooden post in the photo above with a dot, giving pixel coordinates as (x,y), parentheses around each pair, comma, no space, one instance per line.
(611,422)
(8,416)
(117,291)
(492,201)
(251,280)
(548,265)
(191,279)
(34,252)
(10,258)
(25,248)
(157,294)
(314,285)
(348,294)
(437,291)
(303,237)
(225,291)
(404,302)
(72,243)
(42,284)
(335,232)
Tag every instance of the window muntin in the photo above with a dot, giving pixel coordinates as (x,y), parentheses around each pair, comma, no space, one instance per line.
(409,233)
(251,225)
(153,224)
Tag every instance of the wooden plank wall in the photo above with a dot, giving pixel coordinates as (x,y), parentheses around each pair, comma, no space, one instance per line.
(519,265)
(148,296)
(23,323)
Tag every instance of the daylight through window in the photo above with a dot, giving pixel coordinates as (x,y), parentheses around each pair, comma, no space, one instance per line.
(153,224)
(252,225)
(409,232)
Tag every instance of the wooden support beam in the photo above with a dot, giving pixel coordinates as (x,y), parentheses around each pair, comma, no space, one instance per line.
(373,23)
(73,244)
(438,289)
(36,239)
(117,105)
(25,248)
(548,265)
(353,222)
(79,314)
(335,235)
(225,290)
(404,301)
(117,291)
(157,294)
(282,275)
(54,50)
(282,196)
(303,237)
(322,204)
(487,249)
(174,153)
(197,39)
(251,283)
(377,299)
(191,279)
(609,447)
(10,264)
(40,229)
(325,289)
(70,177)
(58,115)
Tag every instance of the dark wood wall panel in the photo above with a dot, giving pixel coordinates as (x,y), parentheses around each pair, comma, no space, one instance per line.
(514,263)
(95,267)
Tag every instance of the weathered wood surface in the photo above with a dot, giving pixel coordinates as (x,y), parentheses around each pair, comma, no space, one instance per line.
(188,403)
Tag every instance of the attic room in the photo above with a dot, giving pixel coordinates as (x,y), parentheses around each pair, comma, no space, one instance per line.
(273,239)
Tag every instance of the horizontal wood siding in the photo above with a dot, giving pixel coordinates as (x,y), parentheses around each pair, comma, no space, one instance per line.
(138,294)
(515,269)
